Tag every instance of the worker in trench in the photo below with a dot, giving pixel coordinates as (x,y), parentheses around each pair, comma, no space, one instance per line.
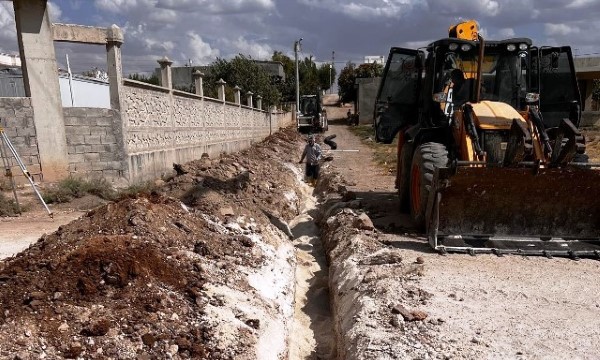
(312,152)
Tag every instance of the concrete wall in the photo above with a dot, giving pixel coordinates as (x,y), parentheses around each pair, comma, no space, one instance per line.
(590,119)
(93,143)
(146,129)
(16,115)
(162,127)
(367,92)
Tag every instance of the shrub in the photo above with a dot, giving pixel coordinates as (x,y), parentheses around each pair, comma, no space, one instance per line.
(72,188)
(8,207)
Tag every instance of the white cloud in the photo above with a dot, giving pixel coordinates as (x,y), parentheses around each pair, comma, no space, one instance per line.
(200,51)
(366,9)
(560,29)
(506,33)
(8,30)
(116,6)
(578,4)
(254,49)
(482,8)
(54,11)
(217,6)
(163,16)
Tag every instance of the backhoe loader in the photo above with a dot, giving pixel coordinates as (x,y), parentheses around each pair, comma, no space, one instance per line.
(490,157)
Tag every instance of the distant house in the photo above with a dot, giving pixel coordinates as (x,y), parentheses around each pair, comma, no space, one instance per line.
(377,59)
(587,70)
(80,91)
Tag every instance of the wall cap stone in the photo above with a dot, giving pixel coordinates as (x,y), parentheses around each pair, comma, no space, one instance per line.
(141,84)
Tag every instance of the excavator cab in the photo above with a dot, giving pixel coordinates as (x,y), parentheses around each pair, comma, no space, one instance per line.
(489,153)
(396,102)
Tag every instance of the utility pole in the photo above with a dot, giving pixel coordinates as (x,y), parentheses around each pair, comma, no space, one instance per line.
(330,70)
(296,49)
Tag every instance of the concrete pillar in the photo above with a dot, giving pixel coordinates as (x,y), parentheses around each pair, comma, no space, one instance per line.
(221,83)
(259,102)
(198,75)
(238,96)
(40,77)
(114,68)
(165,72)
(249,95)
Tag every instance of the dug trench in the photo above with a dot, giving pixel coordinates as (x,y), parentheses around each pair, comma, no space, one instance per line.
(222,260)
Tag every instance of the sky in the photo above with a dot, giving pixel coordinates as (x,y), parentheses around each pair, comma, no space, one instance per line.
(202,30)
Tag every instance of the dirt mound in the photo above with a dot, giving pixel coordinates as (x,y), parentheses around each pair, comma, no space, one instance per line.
(132,278)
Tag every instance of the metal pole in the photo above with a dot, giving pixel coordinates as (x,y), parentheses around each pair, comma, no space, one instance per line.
(330,70)
(70,81)
(330,66)
(24,170)
(296,49)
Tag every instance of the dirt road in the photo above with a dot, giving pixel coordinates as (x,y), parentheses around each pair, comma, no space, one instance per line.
(490,307)
(17,233)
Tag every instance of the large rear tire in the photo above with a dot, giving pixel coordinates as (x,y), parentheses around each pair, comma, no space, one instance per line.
(426,158)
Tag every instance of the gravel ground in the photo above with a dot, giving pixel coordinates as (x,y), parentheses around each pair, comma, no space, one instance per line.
(483,307)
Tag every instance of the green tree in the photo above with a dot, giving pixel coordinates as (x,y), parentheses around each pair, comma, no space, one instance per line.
(150,79)
(241,71)
(346,83)
(327,75)
(287,87)
(309,77)
(369,70)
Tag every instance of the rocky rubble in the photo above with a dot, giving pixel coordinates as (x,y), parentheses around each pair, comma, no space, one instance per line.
(194,269)
(376,299)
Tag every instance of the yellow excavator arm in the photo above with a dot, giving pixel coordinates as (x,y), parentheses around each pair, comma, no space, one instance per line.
(466,30)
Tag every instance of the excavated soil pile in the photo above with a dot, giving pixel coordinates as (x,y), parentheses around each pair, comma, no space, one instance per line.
(137,278)
(376,298)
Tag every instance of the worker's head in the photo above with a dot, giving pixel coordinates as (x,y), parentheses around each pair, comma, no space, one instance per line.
(311,139)
(458,78)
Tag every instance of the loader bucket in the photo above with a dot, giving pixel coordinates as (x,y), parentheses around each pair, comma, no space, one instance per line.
(551,212)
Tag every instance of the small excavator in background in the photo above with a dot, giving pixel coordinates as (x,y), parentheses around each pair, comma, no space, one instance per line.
(312,116)
(490,156)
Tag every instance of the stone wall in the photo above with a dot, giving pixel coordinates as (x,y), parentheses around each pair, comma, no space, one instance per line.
(94,142)
(16,115)
(163,126)
(590,119)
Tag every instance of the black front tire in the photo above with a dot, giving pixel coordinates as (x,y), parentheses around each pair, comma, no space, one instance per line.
(426,158)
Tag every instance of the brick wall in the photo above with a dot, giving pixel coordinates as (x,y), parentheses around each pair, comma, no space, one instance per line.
(94,142)
(16,115)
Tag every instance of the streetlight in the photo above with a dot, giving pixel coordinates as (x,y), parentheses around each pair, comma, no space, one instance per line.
(330,69)
(330,66)
(296,49)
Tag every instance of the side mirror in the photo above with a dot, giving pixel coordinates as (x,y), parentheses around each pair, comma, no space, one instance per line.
(554,60)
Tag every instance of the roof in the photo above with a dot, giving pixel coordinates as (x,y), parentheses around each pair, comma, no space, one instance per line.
(587,67)
(488,43)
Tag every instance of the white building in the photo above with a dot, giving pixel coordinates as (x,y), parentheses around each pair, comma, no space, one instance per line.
(376,59)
